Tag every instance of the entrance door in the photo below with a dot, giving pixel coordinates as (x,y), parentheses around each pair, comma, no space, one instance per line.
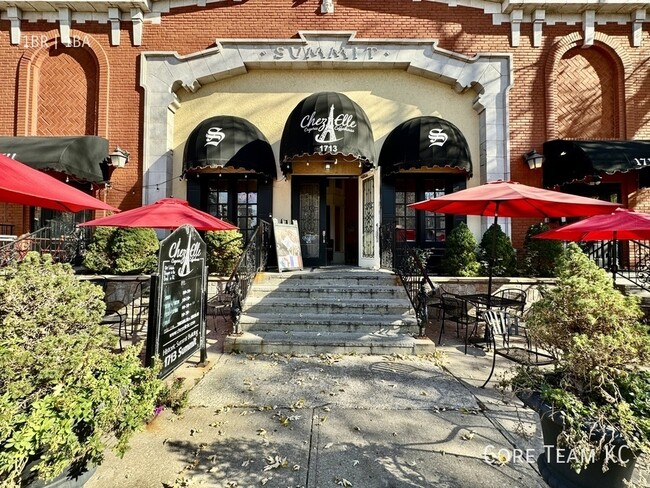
(308,206)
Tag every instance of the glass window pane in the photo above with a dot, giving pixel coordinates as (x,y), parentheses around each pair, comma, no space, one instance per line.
(252,210)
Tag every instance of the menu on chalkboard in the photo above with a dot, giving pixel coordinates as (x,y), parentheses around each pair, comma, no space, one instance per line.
(180,326)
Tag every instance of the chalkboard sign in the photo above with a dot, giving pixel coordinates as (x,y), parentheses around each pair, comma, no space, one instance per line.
(177,324)
(287,245)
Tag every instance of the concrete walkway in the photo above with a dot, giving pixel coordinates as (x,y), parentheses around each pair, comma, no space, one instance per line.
(331,420)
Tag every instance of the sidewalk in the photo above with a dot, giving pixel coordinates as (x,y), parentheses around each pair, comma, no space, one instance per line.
(360,421)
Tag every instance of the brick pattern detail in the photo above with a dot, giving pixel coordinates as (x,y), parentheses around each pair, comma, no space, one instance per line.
(587,89)
(67,93)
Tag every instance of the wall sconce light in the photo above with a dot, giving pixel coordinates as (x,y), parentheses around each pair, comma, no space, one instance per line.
(534,159)
(118,158)
(327,166)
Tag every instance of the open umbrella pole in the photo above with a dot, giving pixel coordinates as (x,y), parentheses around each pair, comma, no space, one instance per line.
(492,257)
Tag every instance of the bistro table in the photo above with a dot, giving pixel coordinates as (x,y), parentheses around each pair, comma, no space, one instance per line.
(485,301)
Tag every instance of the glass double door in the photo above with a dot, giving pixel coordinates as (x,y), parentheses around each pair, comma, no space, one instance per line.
(327,212)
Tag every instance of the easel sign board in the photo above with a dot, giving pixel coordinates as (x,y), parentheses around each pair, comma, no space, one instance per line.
(176,328)
(287,245)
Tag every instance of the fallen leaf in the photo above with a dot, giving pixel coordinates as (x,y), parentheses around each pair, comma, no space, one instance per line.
(355,462)
(296,467)
(342,482)
(328,445)
(261,432)
(468,436)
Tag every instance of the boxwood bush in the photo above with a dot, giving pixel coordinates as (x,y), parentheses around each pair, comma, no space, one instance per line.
(223,249)
(122,251)
(496,245)
(459,258)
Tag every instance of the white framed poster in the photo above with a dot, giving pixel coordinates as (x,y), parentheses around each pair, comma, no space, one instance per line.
(287,245)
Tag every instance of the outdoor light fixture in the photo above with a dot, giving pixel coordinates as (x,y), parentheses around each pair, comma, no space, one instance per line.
(118,157)
(534,159)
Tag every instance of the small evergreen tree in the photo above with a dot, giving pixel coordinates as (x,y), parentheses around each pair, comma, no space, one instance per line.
(541,256)
(135,250)
(223,249)
(459,258)
(496,245)
(122,251)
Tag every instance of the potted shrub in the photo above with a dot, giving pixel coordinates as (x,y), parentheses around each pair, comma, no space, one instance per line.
(64,394)
(595,404)
(223,249)
(540,256)
(459,258)
(122,251)
(496,245)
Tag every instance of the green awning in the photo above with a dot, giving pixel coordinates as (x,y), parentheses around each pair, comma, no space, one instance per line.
(570,161)
(78,156)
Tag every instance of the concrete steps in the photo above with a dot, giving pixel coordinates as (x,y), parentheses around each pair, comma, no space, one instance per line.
(328,310)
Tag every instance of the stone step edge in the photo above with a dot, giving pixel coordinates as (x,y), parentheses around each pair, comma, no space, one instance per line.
(324,342)
(315,318)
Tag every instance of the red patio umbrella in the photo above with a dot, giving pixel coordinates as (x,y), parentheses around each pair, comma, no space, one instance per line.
(512,199)
(166,213)
(27,186)
(623,224)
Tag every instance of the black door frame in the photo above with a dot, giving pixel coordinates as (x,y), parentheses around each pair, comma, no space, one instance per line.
(296,182)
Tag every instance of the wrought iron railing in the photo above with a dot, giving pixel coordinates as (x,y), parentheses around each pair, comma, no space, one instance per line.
(64,248)
(397,254)
(628,259)
(252,260)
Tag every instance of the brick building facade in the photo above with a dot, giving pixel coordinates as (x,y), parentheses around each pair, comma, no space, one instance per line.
(511,75)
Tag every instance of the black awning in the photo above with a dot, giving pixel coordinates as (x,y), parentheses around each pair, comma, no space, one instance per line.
(424,142)
(574,161)
(230,141)
(327,123)
(78,156)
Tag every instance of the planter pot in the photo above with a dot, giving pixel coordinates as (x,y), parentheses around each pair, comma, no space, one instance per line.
(555,463)
(69,478)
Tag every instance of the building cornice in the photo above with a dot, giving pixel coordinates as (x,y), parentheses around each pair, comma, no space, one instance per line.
(589,14)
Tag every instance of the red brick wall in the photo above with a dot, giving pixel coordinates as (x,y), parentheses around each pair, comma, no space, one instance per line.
(67,93)
(463,30)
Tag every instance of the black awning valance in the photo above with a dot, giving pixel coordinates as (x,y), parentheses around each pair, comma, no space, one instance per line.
(230,141)
(327,123)
(568,161)
(78,156)
(424,142)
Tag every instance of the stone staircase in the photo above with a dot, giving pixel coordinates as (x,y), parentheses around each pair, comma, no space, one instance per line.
(328,310)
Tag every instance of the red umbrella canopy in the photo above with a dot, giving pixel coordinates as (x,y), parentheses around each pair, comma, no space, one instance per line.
(512,199)
(622,224)
(166,213)
(27,186)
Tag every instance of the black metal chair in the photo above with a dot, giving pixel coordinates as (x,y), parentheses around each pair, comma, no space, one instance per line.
(454,309)
(499,324)
(515,306)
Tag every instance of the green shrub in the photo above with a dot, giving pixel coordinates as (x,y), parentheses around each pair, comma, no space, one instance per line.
(135,251)
(63,393)
(223,249)
(541,256)
(459,258)
(602,377)
(98,257)
(122,251)
(496,245)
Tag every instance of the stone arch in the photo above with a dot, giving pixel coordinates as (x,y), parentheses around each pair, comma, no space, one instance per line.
(29,73)
(617,58)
